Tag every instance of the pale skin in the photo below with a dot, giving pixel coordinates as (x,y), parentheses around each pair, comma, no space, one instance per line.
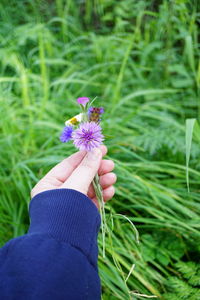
(77,172)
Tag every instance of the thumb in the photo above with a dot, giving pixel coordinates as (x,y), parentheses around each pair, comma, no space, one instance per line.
(83,175)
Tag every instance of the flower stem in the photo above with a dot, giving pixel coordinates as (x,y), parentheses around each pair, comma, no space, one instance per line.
(97,189)
(99,195)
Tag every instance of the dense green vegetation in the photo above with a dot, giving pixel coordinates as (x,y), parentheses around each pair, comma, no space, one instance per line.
(141,58)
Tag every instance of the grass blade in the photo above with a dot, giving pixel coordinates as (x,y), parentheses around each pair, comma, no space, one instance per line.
(188,142)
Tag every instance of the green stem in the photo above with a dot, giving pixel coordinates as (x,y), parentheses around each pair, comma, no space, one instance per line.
(97,189)
(99,196)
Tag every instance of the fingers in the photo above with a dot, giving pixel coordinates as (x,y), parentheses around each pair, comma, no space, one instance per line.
(104,150)
(65,168)
(107,195)
(105,180)
(83,175)
(106,166)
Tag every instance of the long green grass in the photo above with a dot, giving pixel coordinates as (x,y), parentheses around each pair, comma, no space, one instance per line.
(141,58)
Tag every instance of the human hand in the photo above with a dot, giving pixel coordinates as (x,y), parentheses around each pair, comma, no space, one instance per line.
(77,172)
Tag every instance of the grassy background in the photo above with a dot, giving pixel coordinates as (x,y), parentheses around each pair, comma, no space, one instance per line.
(141,58)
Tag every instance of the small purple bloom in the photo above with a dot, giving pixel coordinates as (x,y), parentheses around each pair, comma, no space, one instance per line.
(90,109)
(101,110)
(83,100)
(66,134)
(94,114)
(88,136)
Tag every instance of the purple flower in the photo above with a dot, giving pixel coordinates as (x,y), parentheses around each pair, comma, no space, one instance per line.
(83,100)
(88,136)
(66,134)
(101,110)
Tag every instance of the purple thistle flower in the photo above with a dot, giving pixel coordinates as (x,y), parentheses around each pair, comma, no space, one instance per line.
(66,134)
(83,100)
(88,136)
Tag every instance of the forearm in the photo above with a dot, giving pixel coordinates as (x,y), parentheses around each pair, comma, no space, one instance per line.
(57,259)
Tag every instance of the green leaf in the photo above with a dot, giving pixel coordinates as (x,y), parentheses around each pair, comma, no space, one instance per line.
(188,141)
(189,50)
(162,258)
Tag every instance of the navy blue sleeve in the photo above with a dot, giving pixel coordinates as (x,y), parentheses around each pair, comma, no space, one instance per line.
(57,258)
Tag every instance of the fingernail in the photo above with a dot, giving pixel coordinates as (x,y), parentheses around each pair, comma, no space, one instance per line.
(94,154)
